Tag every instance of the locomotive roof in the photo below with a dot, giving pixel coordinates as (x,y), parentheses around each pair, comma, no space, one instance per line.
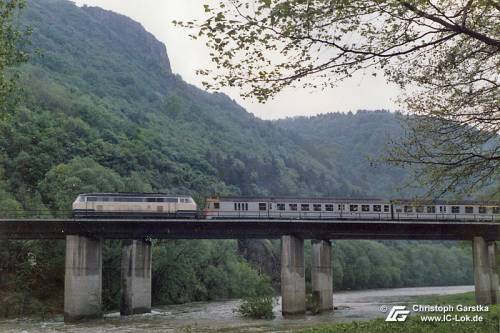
(134,194)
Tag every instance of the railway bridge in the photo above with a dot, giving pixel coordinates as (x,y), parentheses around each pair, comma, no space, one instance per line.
(83,268)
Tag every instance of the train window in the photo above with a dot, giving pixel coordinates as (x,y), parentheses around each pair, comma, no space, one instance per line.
(171,199)
(442,209)
(455,209)
(81,199)
(420,209)
(91,198)
(239,206)
(340,207)
(105,199)
(386,208)
(496,210)
(262,206)
(304,207)
(469,209)
(365,208)
(246,205)
(280,206)
(292,206)
(431,209)
(150,199)
(353,208)
(482,210)
(377,208)
(408,209)
(317,207)
(329,208)
(216,205)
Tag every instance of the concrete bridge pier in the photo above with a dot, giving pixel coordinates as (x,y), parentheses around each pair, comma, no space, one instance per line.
(135,277)
(492,253)
(293,285)
(321,274)
(83,278)
(485,275)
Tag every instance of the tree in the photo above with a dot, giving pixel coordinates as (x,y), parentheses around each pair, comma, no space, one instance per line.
(64,182)
(443,53)
(11,38)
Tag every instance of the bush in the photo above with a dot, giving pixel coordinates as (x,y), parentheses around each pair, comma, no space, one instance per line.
(312,303)
(259,307)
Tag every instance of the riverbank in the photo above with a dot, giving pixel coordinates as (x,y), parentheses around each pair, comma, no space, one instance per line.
(457,320)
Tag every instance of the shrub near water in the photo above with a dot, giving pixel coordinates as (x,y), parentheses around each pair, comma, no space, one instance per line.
(259,307)
(258,303)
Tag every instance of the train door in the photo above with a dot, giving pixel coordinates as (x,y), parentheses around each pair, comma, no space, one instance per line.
(442,210)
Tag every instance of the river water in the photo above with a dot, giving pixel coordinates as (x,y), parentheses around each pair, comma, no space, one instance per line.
(220,316)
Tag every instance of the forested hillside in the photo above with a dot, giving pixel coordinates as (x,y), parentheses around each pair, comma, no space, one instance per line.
(101,110)
(357,143)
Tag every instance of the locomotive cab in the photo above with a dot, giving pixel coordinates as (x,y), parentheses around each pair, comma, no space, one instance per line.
(212,207)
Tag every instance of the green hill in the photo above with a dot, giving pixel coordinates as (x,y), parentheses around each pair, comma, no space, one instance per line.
(356,143)
(102,92)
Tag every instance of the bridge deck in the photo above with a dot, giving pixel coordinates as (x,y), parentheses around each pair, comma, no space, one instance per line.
(247,228)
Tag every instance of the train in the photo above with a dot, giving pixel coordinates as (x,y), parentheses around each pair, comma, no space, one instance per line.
(162,205)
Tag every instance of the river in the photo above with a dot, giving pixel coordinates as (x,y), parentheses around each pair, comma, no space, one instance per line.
(220,316)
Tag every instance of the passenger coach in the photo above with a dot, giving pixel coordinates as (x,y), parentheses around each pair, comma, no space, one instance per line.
(328,208)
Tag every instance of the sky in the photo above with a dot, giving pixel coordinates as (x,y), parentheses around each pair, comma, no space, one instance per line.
(187,55)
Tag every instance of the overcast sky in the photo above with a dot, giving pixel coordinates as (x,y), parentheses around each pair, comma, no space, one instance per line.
(186,56)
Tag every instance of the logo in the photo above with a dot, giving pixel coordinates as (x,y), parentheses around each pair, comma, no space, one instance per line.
(398,313)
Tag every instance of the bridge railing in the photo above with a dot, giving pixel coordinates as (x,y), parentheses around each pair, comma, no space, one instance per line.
(65,214)
(298,215)
(35,214)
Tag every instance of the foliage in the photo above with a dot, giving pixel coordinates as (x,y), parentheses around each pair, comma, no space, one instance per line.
(258,302)
(64,182)
(201,270)
(258,307)
(11,38)
(354,143)
(312,303)
(31,279)
(444,54)
(390,264)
